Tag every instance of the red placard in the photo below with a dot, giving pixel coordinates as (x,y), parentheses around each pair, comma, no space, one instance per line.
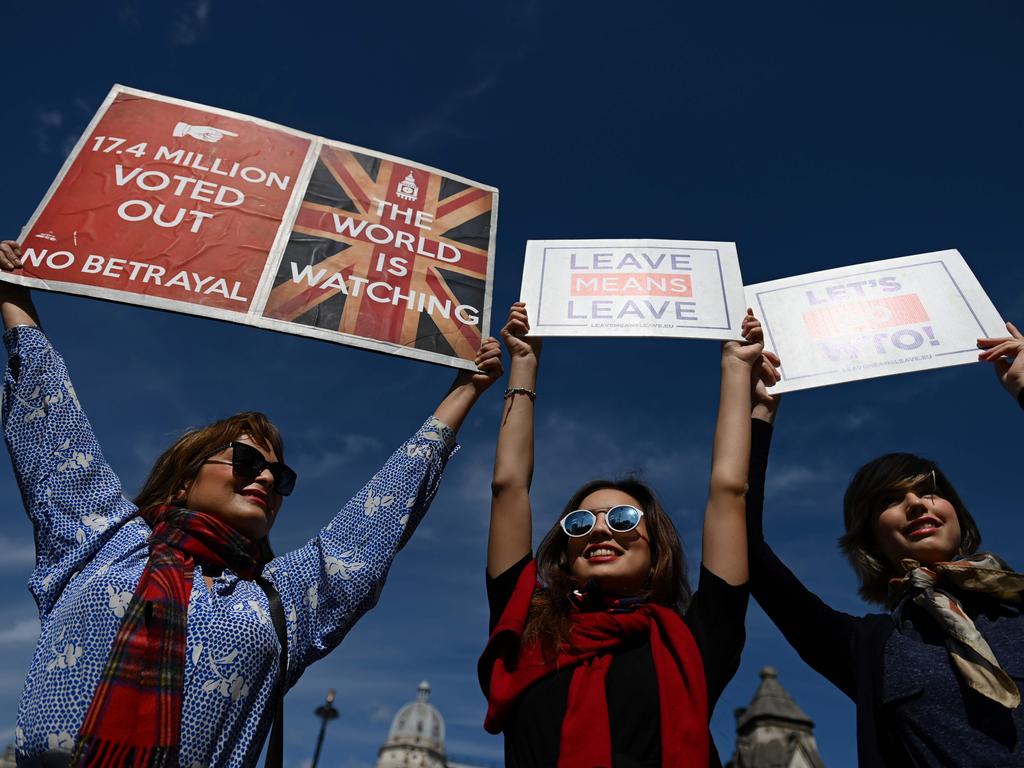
(195,209)
(168,201)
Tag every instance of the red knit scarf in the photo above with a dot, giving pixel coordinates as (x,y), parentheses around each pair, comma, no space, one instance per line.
(135,715)
(507,668)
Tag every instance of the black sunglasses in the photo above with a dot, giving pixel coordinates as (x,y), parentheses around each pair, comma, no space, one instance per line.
(247,461)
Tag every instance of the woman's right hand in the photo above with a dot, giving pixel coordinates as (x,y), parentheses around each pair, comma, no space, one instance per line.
(764,405)
(1007,357)
(521,348)
(15,300)
(10,255)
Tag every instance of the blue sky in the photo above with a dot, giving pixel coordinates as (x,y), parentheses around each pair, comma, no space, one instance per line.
(813,135)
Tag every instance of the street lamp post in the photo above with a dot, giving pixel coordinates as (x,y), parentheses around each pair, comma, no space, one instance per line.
(325,712)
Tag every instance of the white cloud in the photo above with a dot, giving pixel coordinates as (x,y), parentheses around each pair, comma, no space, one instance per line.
(349,448)
(790,478)
(857,418)
(440,120)
(190,22)
(48,123)
(24,632)
(520,26)
(18,554)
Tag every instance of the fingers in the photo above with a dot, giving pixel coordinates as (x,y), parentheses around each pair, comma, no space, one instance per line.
(751,328)
(517,327)
(489,353)
(991,341)
(1008,348)
(517,314)
(10,255)
(768,373)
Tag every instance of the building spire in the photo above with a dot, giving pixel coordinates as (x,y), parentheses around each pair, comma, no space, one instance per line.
(773,732)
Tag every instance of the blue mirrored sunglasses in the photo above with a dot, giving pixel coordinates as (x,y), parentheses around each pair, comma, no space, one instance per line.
(620,519)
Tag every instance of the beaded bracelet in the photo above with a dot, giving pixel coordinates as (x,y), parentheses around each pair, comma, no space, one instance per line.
(520,391)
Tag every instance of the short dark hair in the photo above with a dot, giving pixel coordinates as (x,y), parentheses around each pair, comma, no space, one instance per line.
(864,500)
(669,584)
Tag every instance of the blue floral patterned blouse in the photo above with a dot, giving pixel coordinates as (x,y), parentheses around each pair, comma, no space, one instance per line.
(91,549)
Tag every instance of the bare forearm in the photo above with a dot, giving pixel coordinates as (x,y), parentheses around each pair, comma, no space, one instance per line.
(513,458)
(16,306)
(725,539)
(457,402)
(731,453)
(511,530)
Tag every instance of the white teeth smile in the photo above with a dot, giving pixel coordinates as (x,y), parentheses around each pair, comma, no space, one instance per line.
(601,552)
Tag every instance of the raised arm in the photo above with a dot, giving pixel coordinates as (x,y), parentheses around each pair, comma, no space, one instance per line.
(15,300)
(329,583)
(71,495)
(825,638)
(725,538)
(511,534)
(1007,357)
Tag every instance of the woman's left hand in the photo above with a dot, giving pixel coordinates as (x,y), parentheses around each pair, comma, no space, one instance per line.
(751,350)
(489,367)
(1007,356)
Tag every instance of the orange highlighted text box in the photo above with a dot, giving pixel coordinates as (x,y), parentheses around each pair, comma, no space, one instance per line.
(618,284)
(857,317)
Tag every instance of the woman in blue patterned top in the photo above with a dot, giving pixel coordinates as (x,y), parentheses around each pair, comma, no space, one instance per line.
(157,642)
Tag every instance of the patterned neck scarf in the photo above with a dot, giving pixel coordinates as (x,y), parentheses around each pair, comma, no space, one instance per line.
(932,588)
(135,715)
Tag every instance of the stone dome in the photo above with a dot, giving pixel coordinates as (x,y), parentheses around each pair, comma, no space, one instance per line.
(417,734)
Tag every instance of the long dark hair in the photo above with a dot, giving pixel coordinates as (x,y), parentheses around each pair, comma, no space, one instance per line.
(548,620)
(872,484)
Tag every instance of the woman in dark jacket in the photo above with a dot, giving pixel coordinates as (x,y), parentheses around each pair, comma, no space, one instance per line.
(935,679)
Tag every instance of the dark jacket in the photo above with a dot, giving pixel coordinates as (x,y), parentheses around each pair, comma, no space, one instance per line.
(847,650)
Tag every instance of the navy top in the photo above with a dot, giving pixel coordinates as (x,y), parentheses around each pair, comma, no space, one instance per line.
(912,708)
(939,719)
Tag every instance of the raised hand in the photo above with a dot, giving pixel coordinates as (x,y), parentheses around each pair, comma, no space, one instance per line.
(488,363)
(469,385)
(1007,357)
(10,255)
(750,351)
(520,347)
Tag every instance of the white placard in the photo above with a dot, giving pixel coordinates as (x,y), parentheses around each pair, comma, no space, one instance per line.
(674,288)
(875,319)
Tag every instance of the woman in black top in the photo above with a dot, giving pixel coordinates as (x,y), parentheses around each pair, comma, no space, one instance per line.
(598,653)
(936,679)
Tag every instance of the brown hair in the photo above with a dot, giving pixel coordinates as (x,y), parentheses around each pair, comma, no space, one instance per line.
(866,496)
(548,619)
(180,463)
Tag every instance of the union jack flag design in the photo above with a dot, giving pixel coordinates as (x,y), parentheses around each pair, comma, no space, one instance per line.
(388,252)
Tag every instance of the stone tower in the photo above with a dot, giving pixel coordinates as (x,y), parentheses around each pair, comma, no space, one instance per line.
(773,732)
(416,738)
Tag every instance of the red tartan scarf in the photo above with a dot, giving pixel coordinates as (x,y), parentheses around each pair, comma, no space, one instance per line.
(135,715)
(507,668)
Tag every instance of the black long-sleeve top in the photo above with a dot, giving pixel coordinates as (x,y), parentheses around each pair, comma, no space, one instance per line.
(912,709)
(715,617)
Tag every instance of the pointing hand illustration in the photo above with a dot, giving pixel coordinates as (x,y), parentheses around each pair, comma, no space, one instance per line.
(202,132)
